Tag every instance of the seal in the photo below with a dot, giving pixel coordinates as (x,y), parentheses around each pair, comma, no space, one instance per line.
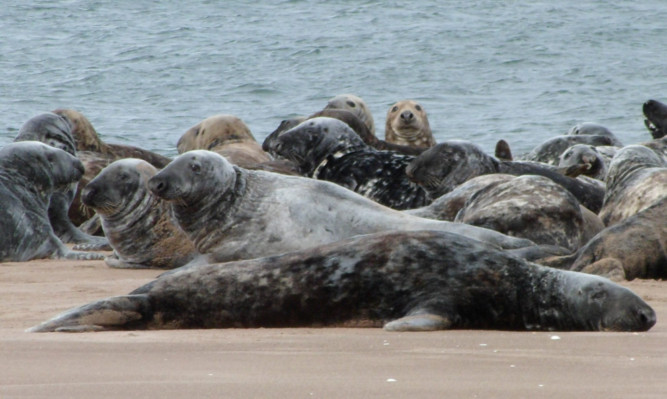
(407,124)
(96,154)
(636,179)
(583,159)
(655,113)
(227,135)
(328,149)
(549,152)
(54,130)
(633,248)
(406,281)
(355,105)
(503,151)
(137,224)
(529,206)
(30,172)
(231,213)
(448,164)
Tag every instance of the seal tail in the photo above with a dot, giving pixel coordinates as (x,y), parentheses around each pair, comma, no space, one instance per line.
(112,313)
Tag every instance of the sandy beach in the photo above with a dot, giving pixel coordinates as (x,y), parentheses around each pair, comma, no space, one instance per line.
(303,362)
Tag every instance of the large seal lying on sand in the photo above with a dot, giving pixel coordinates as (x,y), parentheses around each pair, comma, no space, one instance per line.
(232,213)
(138,225)
(30,172)
(328,149)
(637,178)
(412,281)
(448,164)
(634,248)
(55,130)
(407,124)
(655,113)
(355,105)
(227,135)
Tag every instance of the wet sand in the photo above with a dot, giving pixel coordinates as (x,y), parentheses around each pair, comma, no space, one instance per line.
(303,362)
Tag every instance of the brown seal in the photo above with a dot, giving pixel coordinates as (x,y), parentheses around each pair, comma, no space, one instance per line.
(356,106)
(407,124)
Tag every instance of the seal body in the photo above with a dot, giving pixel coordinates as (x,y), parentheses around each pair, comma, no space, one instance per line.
(655,113)
(355,105)
(328,149)
(231,213)
(549,152)
(407,124)
(30,172)
(448,164)
(637,178)
(137,224)
(408,281)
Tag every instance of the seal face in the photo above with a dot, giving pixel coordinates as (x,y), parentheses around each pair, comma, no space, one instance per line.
(137,224)
(636,179)
(356,106)
(407,124)
(655,113)
(30,172)
(55,131)
(231,213)
(408,281)
(328,149)
(448,164)
(583,159)
(227,135)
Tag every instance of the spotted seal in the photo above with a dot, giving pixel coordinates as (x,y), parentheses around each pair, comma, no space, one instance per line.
(655,113)
(448,164)
(55,130)
(356,106)
(232,213)
(406,281)
(30,172)
(138,225)
(407,124)
(328,149)
(637,178)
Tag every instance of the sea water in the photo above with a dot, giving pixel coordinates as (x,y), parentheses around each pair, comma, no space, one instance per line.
(144,72)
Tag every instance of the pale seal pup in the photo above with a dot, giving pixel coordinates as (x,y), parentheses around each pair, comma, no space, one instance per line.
(637,178)
(232,213)
(407,124)
(328,149)
(55,130)
(406,281)
(583,159)
(30,172)
(633,248)
(655,113)
(138,225)
(450,163)
(356,106)
(227,135)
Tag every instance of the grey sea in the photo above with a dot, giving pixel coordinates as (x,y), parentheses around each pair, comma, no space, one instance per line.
(143,72)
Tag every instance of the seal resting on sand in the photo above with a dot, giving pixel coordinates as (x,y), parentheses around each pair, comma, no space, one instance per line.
(30,172)
(406,281)
(232,213)
(328,149)
(138,225)
(448,164)
(407,124)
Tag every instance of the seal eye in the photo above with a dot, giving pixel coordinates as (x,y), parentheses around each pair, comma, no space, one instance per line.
(418,107)
(394,109)
(351,104)
(195,167)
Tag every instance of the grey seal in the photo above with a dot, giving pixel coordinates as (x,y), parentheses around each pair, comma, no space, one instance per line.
(406,281)
(138,225)
(583,159)
(30,172)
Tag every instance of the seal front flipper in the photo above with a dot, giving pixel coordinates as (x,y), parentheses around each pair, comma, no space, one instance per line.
(115,262)
(78,255)
(99,246)
(419,322)
(106,314)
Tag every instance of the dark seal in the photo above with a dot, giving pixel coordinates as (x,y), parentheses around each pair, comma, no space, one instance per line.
(549,152)
(585,160)
(328,149)
(448,164)
(30,172)
(655,113)
(138,225)
(406,281)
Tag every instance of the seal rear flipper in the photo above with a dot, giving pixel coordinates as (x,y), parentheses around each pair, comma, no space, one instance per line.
(101,245)
(116,263)
(78,255)
(419,322)
(106,314)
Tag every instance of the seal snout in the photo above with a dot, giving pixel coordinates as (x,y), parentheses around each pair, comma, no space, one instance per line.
(407,116)
(158,185)
(646,317)
(88,195)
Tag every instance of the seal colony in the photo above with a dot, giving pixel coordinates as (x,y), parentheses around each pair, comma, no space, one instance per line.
(406,281)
